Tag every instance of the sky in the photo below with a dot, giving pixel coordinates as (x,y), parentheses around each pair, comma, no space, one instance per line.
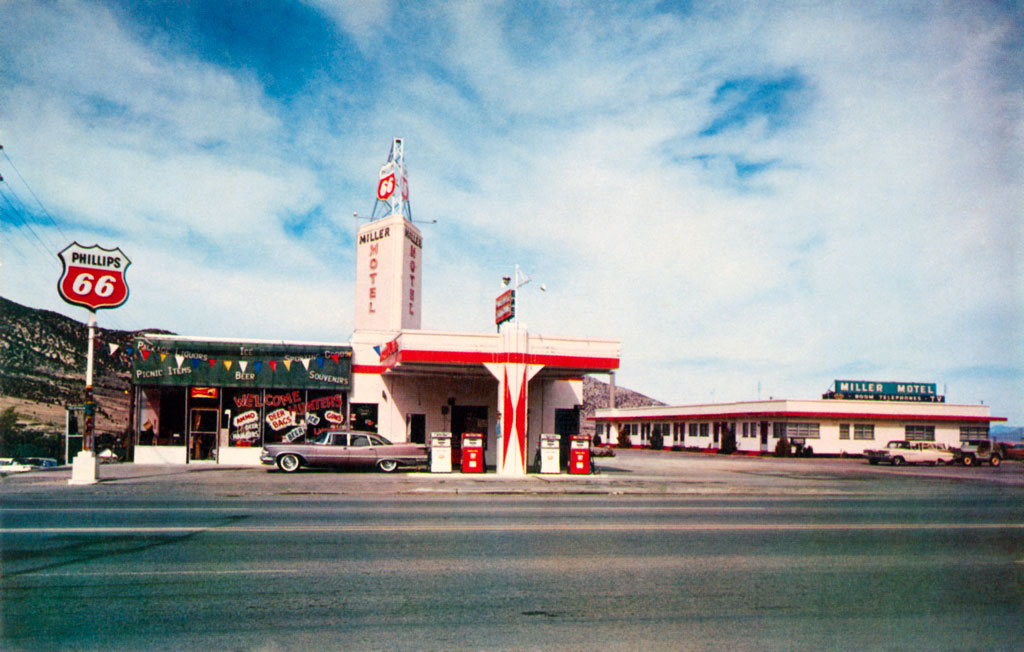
(755,198)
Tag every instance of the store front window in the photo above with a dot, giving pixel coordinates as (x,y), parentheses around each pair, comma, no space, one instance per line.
(364,417)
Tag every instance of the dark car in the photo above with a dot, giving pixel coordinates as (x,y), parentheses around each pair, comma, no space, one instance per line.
(344,450)
(1014,451)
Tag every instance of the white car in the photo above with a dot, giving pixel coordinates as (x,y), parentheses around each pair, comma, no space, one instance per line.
(8,465)
(910,452)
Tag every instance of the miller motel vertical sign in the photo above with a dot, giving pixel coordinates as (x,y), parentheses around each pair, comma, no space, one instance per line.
(93,278)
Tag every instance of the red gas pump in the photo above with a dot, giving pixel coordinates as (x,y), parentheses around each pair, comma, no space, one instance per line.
(472,452)
(579,454)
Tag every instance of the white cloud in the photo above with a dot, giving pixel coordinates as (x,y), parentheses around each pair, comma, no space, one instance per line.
(881,236)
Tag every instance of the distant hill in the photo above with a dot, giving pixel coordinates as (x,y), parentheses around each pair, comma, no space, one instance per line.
(42,369)
(595,395)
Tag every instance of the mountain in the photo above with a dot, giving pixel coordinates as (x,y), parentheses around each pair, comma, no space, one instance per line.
(42,369)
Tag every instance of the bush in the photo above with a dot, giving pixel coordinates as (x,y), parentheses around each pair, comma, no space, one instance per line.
(657,441)
(782,448)
(624,439)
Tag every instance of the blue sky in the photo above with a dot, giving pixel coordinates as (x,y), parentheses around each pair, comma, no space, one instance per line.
(755,198)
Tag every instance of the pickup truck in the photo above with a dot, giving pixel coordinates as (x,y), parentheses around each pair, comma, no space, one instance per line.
(978,451)
(906,452)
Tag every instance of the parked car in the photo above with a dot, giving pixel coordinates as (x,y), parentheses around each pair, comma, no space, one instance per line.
(906,452)
(39,462)
(344,450)
(1013,451)
(978,451)
(8,465)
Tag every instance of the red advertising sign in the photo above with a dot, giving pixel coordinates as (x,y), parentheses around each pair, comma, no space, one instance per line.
(505,307)
(93,277)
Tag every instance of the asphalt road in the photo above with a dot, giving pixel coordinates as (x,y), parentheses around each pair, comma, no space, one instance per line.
(884,561)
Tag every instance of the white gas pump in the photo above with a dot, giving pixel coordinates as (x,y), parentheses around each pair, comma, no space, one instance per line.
(550,445)
(440,452)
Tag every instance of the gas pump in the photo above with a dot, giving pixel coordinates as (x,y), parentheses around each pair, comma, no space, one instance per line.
(579,454)
(440,452)
(549,453)
(472,452)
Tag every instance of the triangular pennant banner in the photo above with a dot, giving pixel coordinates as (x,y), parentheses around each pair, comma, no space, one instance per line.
(195,363)
(376,350)
(334,357)
(287,364)
(273,365)
(212,363)
(257,366)
(227,364)
(113,348)
(243,364)
(179,359)
(145,354)
(305,363)
(163,356)
(320,361)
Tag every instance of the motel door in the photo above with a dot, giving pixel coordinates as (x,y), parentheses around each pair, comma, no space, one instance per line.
(202,433)
(764,436)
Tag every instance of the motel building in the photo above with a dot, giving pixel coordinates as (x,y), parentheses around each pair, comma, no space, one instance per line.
(852,417)
(217,401)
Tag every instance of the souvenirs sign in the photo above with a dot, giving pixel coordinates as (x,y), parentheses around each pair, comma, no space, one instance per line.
(93,277)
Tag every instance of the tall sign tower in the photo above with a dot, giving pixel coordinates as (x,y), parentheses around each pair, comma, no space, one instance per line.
(389,255)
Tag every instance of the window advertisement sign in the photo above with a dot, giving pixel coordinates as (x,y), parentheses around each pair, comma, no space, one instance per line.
(256,417)
(226,364)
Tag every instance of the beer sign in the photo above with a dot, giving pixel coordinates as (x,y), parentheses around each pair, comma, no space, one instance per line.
(93,277)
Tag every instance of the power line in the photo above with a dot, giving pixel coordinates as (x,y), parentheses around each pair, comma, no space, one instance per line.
(32,192)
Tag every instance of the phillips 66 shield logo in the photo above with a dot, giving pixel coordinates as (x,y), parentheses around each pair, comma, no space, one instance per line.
(93,277)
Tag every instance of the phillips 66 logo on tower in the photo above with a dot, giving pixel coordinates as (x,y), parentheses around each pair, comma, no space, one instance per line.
(93,277)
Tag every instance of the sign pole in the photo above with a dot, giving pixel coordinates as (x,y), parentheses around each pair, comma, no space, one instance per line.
(90,405)
(86,467)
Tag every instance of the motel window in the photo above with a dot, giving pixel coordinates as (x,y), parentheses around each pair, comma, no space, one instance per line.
(778,430)
(694,430)
(974,432)
(864,431)
(844,431)
(804,430)
(746,429)
(920,433)
(645,432)
(705,429)
(679,433)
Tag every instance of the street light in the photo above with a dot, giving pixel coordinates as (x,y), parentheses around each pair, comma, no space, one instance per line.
(520,279)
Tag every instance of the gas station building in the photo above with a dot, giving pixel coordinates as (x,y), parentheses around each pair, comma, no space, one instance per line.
(218,401)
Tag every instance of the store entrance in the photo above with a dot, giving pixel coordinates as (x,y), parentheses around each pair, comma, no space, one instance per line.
(202,433)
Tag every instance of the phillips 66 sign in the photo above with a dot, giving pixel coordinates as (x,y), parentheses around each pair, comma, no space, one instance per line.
(93,277)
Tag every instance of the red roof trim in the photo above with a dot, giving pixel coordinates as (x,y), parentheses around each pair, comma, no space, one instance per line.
(853,416)
(482,357)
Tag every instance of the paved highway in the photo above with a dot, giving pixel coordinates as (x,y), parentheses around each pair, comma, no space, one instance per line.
(940,567)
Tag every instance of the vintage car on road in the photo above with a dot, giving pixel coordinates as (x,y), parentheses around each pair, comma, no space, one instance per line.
(910,452)
(344,450)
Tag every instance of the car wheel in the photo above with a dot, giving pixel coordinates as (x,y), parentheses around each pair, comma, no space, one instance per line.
(968,460)
(387,466)
(897,461)
(995,461)
(289,463)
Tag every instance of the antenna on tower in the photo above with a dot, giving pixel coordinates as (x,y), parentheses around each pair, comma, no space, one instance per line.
(393,186)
